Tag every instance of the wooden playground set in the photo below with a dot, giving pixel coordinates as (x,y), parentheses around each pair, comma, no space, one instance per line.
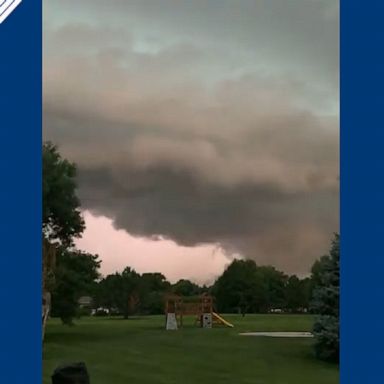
(49,261)
(202,307)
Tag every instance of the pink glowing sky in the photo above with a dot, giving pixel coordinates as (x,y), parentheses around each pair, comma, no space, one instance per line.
(118,249)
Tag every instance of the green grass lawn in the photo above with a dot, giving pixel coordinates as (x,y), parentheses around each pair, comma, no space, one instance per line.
(140,351)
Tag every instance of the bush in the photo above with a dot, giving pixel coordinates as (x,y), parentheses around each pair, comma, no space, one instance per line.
(84,311)
(326,331)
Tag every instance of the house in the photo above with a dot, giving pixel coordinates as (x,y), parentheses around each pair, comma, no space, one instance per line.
(85,302)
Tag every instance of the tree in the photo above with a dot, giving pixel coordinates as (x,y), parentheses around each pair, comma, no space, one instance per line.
(274,283)
(152,289)
(246,287)
(240,288)
(154,282)
(325,303)
(107,292)
(62,219)
(186,288)
(76,274)
(297,293)
(120,291)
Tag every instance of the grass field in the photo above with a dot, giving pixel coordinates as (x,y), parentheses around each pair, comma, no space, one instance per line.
(140,351)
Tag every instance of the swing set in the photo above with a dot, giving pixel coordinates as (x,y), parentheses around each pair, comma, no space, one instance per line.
(176,307)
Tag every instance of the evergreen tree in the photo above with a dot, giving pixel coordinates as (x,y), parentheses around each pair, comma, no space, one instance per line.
(325,303)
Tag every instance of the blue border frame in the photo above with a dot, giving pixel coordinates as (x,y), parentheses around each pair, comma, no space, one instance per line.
(20,139)
(362,207)
(362,192)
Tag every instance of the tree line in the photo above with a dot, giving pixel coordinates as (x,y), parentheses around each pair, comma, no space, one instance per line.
(243,287)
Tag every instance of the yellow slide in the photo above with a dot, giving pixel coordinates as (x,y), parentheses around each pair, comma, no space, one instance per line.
(221,320)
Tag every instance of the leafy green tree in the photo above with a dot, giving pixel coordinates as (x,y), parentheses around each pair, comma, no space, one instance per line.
(293,293)
(62,219)
(297,294)
(325,303)
(306,289)
(154,282)
(108,291)
(119,291)
(152,289)
(240,288)
(76,275)
(274,283)
(186,288)
(152,303)
(245,287)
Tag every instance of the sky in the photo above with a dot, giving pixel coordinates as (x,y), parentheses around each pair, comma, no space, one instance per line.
(203,130)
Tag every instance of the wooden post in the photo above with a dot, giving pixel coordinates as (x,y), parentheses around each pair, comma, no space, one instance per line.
(49,262)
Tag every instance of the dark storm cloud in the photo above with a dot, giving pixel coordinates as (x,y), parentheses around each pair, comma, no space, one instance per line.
(302,31)
(178,143)
(258,221)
